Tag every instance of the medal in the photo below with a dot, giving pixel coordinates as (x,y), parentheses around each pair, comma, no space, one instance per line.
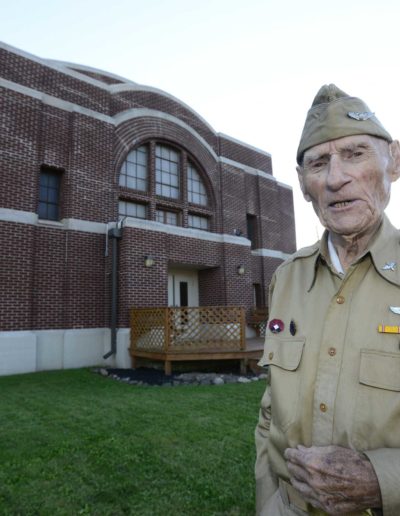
(276,326)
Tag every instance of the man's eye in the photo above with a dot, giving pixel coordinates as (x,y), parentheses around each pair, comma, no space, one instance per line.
(316,166)
(354,154)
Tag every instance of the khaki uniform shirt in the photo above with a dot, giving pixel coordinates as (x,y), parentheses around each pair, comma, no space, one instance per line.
(336,378)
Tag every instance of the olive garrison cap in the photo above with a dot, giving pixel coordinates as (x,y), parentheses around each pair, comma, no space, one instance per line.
(335,114)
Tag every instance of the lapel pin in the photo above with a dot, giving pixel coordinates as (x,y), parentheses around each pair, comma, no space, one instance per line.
(389,266)
(276,326)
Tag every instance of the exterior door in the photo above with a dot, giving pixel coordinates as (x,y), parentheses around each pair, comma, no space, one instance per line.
(183,287)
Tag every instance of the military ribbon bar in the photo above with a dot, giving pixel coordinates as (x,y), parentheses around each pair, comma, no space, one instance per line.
(388,329)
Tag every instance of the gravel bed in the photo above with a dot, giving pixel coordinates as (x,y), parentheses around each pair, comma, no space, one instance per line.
(155,377)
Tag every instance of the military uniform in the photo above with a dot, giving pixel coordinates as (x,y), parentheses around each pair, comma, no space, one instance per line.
(334,368)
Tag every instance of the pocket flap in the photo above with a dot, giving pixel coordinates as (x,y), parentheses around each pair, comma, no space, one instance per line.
(380,369)
(283,353)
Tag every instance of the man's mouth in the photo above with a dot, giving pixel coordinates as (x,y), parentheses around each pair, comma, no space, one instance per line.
(341,204)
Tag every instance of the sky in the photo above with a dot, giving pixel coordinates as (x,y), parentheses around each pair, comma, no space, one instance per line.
(250,68)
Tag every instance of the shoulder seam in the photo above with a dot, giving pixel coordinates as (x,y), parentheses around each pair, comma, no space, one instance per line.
(305,252)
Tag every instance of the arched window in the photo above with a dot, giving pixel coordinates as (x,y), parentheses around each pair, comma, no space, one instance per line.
(196,190)
(167,171)
(134,173)
(161,182)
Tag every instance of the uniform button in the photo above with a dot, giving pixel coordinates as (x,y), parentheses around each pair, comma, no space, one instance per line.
(271,355)
(332,351)
(323,407)
(340,300)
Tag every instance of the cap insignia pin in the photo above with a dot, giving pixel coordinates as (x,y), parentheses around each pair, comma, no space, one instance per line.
(390,266)
(276,326)
(361,117)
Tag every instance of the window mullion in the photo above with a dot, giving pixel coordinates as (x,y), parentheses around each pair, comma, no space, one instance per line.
(152,180)
(184,182)
(184,185)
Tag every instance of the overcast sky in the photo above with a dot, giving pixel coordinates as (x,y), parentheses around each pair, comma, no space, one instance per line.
(250,68)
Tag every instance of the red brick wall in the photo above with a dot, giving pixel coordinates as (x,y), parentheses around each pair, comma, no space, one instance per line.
(38,76)
(52,278)
(151,100)
(246,155)
(57,278)
(16,280)
(98,76)
(19,132)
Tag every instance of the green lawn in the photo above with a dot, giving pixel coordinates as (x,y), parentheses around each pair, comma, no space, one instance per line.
(72,442)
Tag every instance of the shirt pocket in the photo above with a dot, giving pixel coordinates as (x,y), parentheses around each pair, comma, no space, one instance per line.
(283,356)
(377,414)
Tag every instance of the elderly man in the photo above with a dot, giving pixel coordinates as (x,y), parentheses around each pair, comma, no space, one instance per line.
(328,437)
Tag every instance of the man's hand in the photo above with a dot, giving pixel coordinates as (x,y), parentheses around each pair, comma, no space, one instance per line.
(334,479)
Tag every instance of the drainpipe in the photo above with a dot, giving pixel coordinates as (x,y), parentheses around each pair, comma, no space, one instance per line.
(114,234)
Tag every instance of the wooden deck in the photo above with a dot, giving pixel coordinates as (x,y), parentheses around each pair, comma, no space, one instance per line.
(192,334)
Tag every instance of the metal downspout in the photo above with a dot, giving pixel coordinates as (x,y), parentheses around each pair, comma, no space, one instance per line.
(115,234)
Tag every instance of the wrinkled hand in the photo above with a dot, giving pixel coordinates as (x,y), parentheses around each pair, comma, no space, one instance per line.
(334,479)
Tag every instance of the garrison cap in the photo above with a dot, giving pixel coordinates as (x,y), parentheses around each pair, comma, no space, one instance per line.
(335,114)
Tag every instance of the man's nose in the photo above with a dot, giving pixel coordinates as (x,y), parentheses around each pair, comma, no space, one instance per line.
(337,176)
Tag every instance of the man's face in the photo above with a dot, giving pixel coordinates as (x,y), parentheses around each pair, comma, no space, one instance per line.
(348,182)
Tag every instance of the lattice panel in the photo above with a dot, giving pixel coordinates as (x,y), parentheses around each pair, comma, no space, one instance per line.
(214,328)
(148,329)
(205,328)
(262,327)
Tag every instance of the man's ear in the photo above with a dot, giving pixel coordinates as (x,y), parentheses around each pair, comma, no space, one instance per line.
(394,149)
(300,175)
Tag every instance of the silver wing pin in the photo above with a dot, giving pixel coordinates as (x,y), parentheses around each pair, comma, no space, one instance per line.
(389,266)
(361,117)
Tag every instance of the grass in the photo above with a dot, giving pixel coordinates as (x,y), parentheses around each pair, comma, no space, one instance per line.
(75,443)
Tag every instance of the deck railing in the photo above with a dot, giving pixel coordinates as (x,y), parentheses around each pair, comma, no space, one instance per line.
(188,329)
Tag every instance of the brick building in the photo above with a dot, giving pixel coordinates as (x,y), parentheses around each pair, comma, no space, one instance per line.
(87,156)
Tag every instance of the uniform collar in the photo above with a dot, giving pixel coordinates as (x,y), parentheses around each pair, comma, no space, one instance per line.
(384,251)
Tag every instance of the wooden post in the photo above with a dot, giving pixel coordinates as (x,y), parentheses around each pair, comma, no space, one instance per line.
(132,324)
(132,339)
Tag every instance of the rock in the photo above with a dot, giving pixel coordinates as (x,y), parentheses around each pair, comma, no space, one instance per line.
(218,381)
(229,378)
(103,372)
(242,379)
